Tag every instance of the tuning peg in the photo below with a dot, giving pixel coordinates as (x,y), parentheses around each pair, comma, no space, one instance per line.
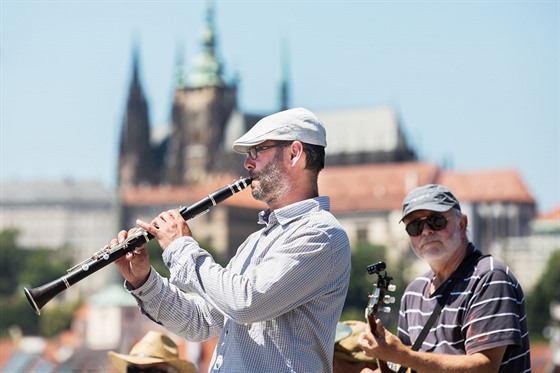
(385,309)
(392,287)
(388,299)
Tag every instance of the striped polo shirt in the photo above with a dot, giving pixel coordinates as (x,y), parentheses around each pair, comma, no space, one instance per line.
(485,310)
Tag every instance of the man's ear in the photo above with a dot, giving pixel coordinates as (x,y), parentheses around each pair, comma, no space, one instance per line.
(464,222)
(296,152)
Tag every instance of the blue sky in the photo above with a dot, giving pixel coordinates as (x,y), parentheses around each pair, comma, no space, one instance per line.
(475,83)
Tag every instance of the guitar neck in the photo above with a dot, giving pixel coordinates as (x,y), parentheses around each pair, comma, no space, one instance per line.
(376,298)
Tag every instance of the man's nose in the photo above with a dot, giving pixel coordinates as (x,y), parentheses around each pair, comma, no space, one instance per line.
(428,229)
(249,163)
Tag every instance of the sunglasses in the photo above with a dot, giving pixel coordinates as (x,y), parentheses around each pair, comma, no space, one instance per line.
(437,222)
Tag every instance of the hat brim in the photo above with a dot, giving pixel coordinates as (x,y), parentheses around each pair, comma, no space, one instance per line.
(249,140)
(121,361)
(244,147)
(430,207)
(342,331)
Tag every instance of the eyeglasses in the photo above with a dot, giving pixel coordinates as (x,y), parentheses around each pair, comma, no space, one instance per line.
(437,222)
(254,152)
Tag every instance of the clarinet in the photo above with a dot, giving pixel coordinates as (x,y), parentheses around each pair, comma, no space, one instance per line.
(41,295)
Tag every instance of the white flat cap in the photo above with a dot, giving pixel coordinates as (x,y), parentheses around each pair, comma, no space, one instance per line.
(293,124)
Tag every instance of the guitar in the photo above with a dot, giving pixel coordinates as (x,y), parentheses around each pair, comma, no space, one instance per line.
(377,297)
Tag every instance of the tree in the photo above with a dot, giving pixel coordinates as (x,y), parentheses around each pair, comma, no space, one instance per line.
(547,290)
(24,268)
(11,262)
(361,283)
(42,265)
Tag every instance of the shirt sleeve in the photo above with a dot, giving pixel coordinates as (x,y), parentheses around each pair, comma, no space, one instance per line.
(161,301)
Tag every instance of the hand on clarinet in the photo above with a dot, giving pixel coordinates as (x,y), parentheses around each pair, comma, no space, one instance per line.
(135,265)
(167,227)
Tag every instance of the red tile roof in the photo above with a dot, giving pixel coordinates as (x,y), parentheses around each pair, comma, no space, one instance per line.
(485,186)
(553,215)
(185,195)
(7,348)
(374,186)
(369,187)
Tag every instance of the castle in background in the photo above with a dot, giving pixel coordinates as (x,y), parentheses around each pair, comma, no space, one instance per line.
(370,167)
(206,119)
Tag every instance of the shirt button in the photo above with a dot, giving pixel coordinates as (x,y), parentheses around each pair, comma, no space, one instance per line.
(219,362)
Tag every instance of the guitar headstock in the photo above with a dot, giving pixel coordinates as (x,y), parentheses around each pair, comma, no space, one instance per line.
(377,295)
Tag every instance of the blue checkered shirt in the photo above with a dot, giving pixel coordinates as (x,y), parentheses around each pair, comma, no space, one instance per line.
(276,304)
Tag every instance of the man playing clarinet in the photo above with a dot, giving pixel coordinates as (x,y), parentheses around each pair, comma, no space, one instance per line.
(276,305)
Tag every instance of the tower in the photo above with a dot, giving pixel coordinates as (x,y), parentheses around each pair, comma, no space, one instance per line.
(200,112)
(284,80)
(135,152)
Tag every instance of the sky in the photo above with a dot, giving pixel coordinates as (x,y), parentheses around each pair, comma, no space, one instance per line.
(475,84)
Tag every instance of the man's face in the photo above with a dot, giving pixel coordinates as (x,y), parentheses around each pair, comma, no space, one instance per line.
(267,172)
(437,245)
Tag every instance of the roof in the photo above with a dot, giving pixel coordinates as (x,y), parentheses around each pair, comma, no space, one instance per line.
(185,195)
(486,186)
(49,192)
(547,223)
(368,187)
(377,127)
(553,215)
(374,186)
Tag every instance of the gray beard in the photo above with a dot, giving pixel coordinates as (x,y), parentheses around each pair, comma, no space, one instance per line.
(271,184)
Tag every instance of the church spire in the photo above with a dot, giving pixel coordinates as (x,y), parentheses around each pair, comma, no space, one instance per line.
(135,152)
(179,65)
(284,79)
(207,69)
(135,66)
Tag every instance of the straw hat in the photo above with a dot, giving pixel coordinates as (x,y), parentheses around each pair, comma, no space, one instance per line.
(348,348)
(343,330)
(153,348)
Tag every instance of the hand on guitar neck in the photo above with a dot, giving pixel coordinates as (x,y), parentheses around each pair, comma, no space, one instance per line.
(378,296)
(375,305)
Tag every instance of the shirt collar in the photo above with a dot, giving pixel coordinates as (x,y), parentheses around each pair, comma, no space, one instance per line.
(288,213)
